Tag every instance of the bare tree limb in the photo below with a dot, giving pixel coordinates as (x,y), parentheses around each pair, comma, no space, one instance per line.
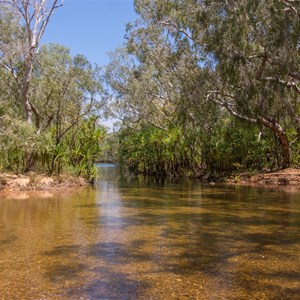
(218,98)
(171,24)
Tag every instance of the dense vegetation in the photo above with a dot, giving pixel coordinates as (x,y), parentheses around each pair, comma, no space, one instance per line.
(49,101)
(208,86)
(200,87)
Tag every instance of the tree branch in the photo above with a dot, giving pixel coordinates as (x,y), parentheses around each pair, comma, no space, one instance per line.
(215,97)
(37,117)
(170,24)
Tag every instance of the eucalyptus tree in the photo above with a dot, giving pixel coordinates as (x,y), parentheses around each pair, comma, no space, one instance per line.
(143,91)
(150,81)
(65,89)
(67,92)
(23,23)
(57,94)
(255,45)
(251,56)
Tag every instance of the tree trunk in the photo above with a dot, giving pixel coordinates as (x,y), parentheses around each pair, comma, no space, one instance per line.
(28,161)
(25,91)
(27,107)
(286,159)
(285,145)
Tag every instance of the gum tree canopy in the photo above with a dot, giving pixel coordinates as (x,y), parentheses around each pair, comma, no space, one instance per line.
(22,25)
(247,51)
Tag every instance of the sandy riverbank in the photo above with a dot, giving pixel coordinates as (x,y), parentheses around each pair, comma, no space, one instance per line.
(39,182)
(34,182)
(289,177)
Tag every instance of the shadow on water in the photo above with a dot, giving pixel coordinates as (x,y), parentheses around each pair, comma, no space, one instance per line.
(62,250)
(9,239)
(110,285)
(59,272)
(210,231)
(191,243)
(157,240)
(117,253)
(106,283)
(190,259)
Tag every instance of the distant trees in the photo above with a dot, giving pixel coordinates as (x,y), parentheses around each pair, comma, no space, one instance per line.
(199,65)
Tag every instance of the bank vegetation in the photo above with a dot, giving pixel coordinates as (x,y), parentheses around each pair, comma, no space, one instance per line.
(50,101)
(208,87)
(200,88)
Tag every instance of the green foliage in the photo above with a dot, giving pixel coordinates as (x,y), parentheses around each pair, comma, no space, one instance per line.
(109,148)
(152,151)
(199,86)
(225,74)
(67,136)
(233,146)
(75,153)
(84,147)
(16,138)
(58,95)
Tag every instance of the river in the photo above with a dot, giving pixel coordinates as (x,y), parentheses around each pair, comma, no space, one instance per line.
(135,239)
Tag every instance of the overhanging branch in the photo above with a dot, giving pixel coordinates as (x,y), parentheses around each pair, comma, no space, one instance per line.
(220,99)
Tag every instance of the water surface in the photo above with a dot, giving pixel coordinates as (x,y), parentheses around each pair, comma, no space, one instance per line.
(151,240)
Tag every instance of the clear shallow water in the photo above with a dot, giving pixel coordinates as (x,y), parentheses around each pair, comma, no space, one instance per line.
(138,240)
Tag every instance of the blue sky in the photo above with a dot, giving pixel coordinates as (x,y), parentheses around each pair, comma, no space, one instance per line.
(90,27)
